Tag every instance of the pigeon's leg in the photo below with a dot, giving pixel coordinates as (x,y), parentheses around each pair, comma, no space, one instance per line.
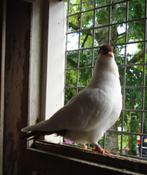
(102,151)
(85,146)
(68,141)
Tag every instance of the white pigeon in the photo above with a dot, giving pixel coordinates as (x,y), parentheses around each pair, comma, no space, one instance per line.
(87,116)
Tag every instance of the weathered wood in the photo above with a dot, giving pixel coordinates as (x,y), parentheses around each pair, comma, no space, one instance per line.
(56,57)
(45,23)
(2,70)
(49,162)
(55,75)
(35,62)
(115,161)
(16,84)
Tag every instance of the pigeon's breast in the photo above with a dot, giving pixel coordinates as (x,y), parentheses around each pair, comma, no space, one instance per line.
(102,108)
(114,106)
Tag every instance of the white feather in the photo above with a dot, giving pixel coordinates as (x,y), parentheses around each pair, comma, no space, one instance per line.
(93,111)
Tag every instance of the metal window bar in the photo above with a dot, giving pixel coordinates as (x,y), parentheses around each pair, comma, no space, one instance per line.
(121,44)
(98,7)
(124,77)
(108,25)
(92,63)
(109,41)
(72,87)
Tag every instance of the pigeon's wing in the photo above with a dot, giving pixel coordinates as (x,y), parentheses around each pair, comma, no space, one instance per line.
(76,115)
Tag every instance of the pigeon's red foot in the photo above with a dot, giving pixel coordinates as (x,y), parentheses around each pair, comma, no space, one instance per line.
(85,146)
(98,148)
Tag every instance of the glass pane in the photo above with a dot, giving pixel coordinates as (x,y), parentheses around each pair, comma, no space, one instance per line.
(133,99)
(72,41)
(119,33)
(74,23)
(119,13)
(134,76)
(71,77)
(87,4)
(74,6)
(72,59)
(136,30)
(135,53)
(101,36)
(136,9)
(119,52)
(101,16)
(85,58)
(132,121)
(121,74)
(84,76)
(129,146)
(69,93)
(112,142)
(86,39)
(87,19)
(95,55)
(100,3)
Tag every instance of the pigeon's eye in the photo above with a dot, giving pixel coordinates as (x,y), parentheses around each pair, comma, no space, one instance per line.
(105,49)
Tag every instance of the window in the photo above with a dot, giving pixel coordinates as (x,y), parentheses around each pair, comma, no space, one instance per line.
(90,24)
(86,31)
(122,23)
(43,157)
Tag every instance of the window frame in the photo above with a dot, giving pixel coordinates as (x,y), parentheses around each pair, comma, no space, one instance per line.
(41,54)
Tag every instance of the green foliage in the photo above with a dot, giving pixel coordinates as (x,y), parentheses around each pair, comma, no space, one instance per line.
(80,63)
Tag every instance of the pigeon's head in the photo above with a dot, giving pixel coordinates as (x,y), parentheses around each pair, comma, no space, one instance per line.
(106,58)
(106,51)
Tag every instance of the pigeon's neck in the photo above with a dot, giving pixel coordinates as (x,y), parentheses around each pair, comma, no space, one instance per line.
(104,74)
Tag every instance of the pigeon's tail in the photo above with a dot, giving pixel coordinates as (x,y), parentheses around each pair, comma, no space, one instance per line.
(40,129)
(33,128)
(28,129)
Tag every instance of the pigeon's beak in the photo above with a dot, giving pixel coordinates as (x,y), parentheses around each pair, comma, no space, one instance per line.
(110,54)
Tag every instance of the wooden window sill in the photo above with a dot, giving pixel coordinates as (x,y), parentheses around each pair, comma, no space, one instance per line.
(64,159)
